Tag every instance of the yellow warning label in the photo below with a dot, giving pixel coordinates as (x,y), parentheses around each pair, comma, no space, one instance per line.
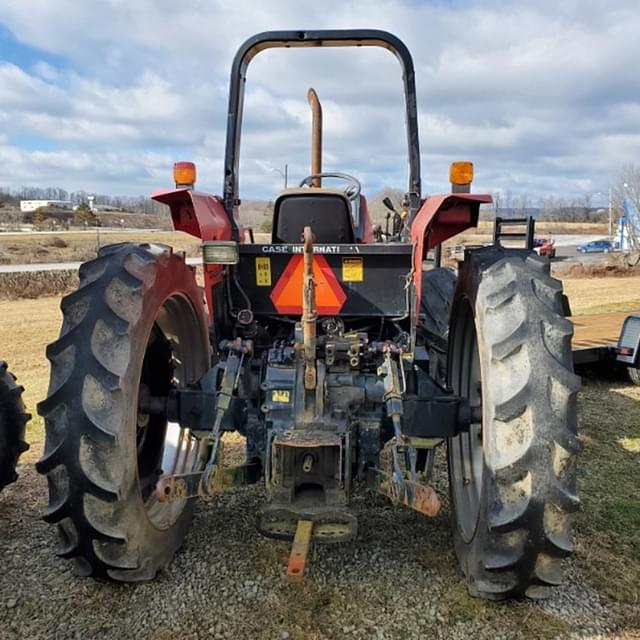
(352,270)
(280,395)
(263,272)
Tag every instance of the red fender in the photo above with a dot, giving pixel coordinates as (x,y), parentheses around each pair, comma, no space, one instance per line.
(203,216)
(199,214)
(438,219)
(367,237)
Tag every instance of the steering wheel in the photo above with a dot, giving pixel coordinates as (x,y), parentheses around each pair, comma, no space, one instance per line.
(352,190)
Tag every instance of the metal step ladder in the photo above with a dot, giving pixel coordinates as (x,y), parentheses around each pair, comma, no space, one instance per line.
(500,234)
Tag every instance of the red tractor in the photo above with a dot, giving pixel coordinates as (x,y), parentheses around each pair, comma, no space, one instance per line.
(341,354)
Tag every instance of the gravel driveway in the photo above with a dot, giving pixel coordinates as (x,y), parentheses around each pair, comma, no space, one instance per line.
(399,579)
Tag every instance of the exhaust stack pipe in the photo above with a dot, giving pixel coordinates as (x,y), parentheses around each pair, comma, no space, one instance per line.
(316,136)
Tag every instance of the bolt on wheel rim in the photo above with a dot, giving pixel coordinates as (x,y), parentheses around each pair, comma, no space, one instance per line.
(164,448)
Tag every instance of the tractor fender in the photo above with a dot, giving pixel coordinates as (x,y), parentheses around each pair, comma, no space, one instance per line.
(203,216)
(439,218)
(367,224)
(199,214)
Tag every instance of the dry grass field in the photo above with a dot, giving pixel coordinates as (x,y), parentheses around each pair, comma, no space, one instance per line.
(26,327)
(607,561)
(74,246)
(599,295)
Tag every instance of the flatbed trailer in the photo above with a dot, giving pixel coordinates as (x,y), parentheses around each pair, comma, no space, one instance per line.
(596,336)
(608,336)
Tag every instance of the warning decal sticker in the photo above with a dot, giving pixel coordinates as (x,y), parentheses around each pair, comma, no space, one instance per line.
(280,395)
(352,270)
(263,272)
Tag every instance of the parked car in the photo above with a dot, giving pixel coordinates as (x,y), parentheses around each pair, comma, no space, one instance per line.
(596,246)
(545,247)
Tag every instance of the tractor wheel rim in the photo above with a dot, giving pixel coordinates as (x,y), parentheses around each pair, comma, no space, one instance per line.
(465,450)
(164,448)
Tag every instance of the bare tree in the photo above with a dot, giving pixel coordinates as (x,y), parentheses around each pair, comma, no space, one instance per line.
(627,185)
(497,202)
(521,204)
(508,204)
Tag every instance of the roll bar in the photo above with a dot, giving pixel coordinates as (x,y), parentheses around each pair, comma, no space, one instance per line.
(323,38)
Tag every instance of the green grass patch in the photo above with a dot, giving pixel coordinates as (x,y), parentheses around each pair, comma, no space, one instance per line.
(538,624)
(523,618)
(461,607)
(608,526)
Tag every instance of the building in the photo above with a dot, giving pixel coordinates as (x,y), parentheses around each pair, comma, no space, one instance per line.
(32,205)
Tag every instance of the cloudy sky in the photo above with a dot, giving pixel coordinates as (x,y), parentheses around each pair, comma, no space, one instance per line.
(543,96)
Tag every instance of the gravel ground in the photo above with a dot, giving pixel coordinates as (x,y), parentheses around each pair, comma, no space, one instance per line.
(399,579)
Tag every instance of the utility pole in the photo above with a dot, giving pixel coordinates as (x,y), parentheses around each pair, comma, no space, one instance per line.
(285,175)
(610,213)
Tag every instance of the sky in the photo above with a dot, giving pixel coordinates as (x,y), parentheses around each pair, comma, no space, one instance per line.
(103,96)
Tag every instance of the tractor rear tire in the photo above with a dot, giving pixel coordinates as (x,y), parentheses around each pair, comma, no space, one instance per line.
(438,286)
(634,374)
(13,421)
(512,476)
(135,325)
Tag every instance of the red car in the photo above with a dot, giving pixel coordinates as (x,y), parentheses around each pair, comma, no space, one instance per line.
(545,247)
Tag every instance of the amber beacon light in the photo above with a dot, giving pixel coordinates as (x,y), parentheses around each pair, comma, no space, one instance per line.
(461,176)
(184,174)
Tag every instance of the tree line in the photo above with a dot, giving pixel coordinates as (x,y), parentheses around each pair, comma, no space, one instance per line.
(590,207)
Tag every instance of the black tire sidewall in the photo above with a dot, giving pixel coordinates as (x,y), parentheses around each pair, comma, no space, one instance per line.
(437,288)
(13,419)
(91,412)
(524,348)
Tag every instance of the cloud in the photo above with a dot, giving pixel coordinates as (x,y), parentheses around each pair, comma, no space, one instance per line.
(21,91)
(543,97)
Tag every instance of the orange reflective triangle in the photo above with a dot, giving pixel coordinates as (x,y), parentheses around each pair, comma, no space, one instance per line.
(287,294)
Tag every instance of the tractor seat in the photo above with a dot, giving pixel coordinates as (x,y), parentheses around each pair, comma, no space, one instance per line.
(326,211)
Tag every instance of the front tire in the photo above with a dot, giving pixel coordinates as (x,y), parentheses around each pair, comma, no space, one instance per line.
(512,477)
(135,325)
(438,286)
(13,420)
